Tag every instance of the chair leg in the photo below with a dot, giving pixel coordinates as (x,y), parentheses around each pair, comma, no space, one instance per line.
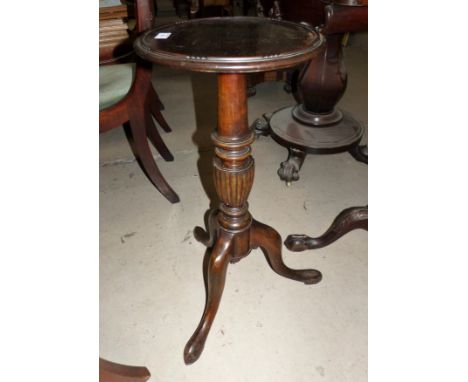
(154,98)
(156,106)
(153,135)
(161,120)
(143,153)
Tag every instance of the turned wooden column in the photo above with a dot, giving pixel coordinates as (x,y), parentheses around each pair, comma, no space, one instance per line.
(233,163)
(323,81)
(230,225)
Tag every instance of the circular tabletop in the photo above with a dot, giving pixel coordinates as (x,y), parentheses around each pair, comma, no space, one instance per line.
(230,44)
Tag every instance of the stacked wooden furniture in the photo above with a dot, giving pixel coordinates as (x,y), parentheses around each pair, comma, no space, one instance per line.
(115,37)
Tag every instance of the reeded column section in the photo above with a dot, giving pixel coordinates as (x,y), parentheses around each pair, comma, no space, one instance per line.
(233,163)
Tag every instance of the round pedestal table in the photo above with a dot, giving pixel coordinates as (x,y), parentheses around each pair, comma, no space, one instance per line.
(231,48)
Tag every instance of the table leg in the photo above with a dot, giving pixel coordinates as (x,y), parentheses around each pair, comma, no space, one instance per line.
(269,241)
(216,273)
(347,221)
(208,238)
(235,233)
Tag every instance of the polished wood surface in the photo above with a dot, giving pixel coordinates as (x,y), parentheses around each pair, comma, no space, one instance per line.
(242,44)
(342,18)
(232,232)
(347,221)
(323,81)
(116,372)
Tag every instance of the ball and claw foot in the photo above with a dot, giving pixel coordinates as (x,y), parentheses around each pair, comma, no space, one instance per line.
(297,243)
(289,169)
(261,126)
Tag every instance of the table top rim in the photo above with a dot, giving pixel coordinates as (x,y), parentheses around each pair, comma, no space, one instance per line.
(229,64)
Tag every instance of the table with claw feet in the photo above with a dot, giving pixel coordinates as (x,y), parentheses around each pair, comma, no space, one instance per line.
(232,47)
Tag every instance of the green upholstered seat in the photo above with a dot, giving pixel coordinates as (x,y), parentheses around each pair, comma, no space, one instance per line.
(114,83)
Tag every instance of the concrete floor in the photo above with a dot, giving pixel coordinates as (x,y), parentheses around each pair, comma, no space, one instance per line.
(268,328)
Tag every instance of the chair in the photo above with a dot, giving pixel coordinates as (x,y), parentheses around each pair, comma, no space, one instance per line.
(116,372)
(132,101)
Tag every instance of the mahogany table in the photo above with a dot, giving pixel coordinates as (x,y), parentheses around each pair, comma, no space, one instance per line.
(316,125)
(232,47)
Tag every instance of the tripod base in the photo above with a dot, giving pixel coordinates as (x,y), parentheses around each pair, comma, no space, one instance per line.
(231,247)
